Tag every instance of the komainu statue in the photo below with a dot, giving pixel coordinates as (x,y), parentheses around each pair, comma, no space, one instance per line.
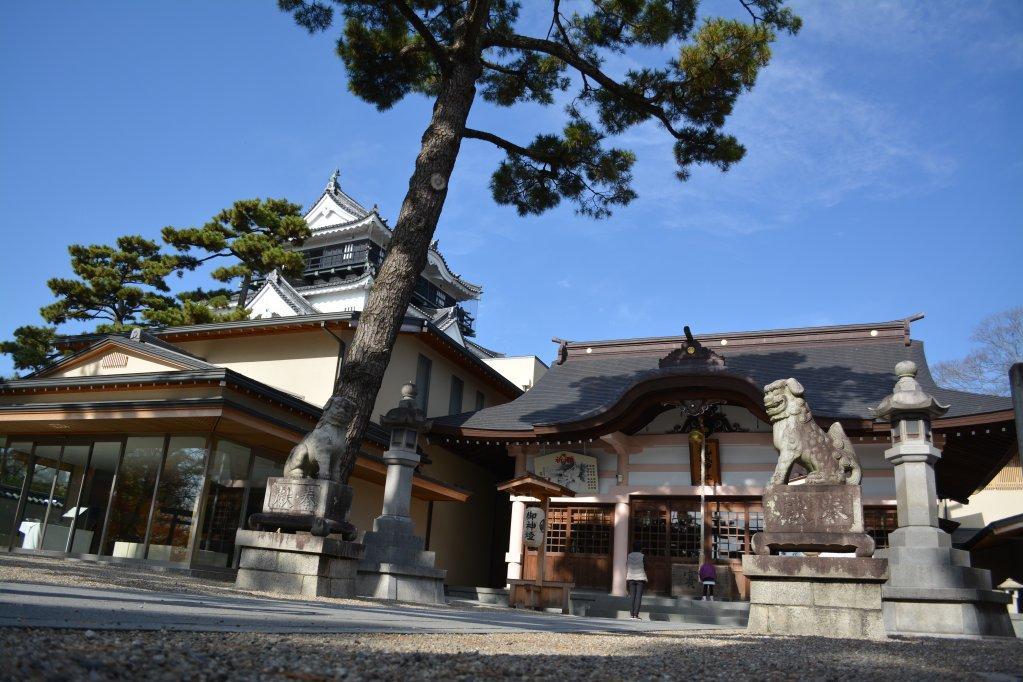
(827,457)
(311,458)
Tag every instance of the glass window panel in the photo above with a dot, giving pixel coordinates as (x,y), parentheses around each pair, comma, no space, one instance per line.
(133,496)
(263,467)
(30,526)
(685,533)
(180,485)
(728,534)
(223,504)
(65,492)
(13,471)
(649,529)
(92,507)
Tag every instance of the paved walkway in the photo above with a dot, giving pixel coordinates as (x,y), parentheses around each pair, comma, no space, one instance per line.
(25,604)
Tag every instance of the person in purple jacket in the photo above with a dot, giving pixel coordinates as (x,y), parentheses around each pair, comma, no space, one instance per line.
(708,576)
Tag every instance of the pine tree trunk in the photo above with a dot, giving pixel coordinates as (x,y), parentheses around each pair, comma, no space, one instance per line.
(378,324)
(243,294)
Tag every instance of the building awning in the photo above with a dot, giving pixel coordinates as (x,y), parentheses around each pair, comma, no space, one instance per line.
(217,402)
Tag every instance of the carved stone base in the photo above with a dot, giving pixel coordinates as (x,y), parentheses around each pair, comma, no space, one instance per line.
(772,543)
(822,596)
(297,563)
(314,505)
(813,518)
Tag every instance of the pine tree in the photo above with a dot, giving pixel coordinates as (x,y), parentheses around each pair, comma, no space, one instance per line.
(257,234)
(117,285)
(453,51)
(32,347)
(198,306)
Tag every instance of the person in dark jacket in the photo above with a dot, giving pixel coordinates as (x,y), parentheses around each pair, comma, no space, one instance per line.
(708,576)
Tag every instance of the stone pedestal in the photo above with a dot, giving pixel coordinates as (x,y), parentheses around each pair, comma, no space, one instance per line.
(822,596)
(396,566)
(813,595)
(301,564)
(933,590)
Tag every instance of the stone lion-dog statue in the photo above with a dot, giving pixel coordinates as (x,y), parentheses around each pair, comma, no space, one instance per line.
(828,458)
(311,458)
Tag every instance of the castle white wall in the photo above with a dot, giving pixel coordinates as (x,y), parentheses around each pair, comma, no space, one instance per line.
(522,370)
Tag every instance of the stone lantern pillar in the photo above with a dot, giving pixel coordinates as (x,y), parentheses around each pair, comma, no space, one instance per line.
(395,564)
(910,410)
(405,423)
(932,588)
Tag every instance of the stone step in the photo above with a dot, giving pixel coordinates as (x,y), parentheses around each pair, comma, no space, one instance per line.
(922,575)
(602,605)
(930,556)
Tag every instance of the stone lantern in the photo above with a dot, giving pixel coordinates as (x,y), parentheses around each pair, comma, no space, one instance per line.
(910,410)
(932,589)
(405,422)
(396,564)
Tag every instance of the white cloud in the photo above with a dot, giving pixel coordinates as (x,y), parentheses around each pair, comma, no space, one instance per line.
(810,144)
(982,34)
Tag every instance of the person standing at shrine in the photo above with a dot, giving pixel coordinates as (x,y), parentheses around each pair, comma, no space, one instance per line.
(708,576)
(635,578)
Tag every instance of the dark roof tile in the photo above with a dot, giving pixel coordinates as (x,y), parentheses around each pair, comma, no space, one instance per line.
(842,380)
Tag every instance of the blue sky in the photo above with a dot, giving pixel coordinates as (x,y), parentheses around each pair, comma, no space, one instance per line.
(884,174)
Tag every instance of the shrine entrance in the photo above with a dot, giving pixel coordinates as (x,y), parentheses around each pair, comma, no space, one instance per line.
(579,544)
(668,531)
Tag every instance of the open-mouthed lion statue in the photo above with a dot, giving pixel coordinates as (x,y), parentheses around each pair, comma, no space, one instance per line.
(827,457)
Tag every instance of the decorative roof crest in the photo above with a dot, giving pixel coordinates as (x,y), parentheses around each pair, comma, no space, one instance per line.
(691,352)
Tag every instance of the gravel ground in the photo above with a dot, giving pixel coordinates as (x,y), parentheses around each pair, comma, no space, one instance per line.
(48,654)
(108,655)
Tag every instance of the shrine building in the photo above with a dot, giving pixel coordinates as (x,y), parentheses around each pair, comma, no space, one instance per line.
(614,420)
(155,446)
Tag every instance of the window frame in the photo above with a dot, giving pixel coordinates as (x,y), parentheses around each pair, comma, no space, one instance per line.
(456,395)
(424,369)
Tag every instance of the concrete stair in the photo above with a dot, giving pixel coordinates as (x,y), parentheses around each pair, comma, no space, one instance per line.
(602,605)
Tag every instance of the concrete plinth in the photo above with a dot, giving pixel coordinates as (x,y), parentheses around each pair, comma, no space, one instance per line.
(396,565)
(297,563)
(822,596)
(933,590)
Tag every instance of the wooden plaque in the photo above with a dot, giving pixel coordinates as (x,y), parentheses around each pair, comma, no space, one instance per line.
(713,463)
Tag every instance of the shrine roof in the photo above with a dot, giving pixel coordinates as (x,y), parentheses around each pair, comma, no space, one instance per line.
(846,371)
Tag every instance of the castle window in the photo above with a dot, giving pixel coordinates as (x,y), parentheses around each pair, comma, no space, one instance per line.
(423,369)
(455,400)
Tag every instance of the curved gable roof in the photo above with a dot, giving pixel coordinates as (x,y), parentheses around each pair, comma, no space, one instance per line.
(844,378)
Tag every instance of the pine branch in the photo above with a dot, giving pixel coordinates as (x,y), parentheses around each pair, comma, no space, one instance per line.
(565,54)
(436,49)
(507,145)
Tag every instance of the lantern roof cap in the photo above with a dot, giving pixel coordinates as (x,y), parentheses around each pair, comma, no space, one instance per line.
(908,397)
(407,414)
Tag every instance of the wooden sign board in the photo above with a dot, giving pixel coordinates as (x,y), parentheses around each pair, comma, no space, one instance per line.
(713,463)
(572,470)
